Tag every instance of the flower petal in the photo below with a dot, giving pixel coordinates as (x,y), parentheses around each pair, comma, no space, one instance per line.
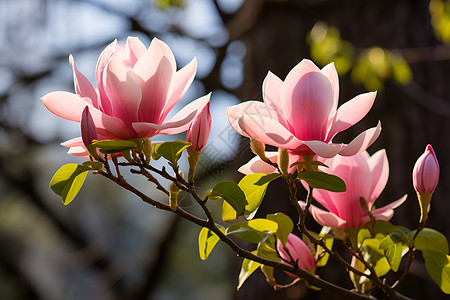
(70,106)
(181,81)
(105,56)
(379,169)
(178,123)
(79,151)
(123,91)
(351,112)
(272,96)
(82,85)
(323,149)
(385,213)
(269,131)
(148,63)
(256,165)
(307,101)
(362,141)
(78,141)
(134,49)
(154,93)
(330,72)
(325,218)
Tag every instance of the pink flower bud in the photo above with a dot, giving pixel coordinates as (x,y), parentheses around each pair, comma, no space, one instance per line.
(199,130)
(88,131)
(299,252)
(426,172)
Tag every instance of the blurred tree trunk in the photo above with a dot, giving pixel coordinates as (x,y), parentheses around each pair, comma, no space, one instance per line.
(409,118)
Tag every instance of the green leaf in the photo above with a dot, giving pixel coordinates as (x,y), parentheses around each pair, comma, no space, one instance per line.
(328,240)
(253,231)
(68,180)
(438,266)
(285,226)
(267,249)
(228,212)
(393,249)
(112,146)
(321,180)
(207,239)
(254,187)
(170,150)
(248,267)
(374,255)
(231,193)
(430,239)
(94,165)
(268,272)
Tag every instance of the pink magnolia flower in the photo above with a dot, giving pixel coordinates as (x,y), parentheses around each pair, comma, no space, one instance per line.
(365,176)
(426,172)
(198,132)
(298,250)
(136,89)
(301,115)
(88,131)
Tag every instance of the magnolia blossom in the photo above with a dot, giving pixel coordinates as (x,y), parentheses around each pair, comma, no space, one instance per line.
(301,115)
(365,177)
(199,130)
(136,89)
(88,131)
(299,252)
(426,172)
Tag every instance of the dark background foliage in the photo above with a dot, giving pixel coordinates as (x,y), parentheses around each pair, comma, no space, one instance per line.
(109,245)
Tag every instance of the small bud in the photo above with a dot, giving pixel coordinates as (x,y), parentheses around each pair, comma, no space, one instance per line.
(147,149)
(426,172)
(364,206)
(193,158)
(173,196)
(88,130)
(425,179)
(283,161)
(198,132)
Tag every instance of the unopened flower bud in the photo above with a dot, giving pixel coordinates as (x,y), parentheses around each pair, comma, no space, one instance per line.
(297,251)
(174,190)
(147,149)
(425,179)
(198,132)
(193,157)
(283,161)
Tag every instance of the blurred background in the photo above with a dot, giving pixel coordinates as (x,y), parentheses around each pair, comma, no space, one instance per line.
(107,244)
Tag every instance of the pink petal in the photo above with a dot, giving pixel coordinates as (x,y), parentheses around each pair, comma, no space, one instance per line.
(330,72)
(148,63)
(325,218)
(134,49)
(235,113)
(178,123)
(379,169)
(272,96)
(351,112)
(256,165)
(78,141)
(105,56)
(181,81)
(307,101)
(269,131)
(323,149)
(82,85)
(123,91)
(70,106)
(385,213)
(154,93)
(362,141)
(79,151)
